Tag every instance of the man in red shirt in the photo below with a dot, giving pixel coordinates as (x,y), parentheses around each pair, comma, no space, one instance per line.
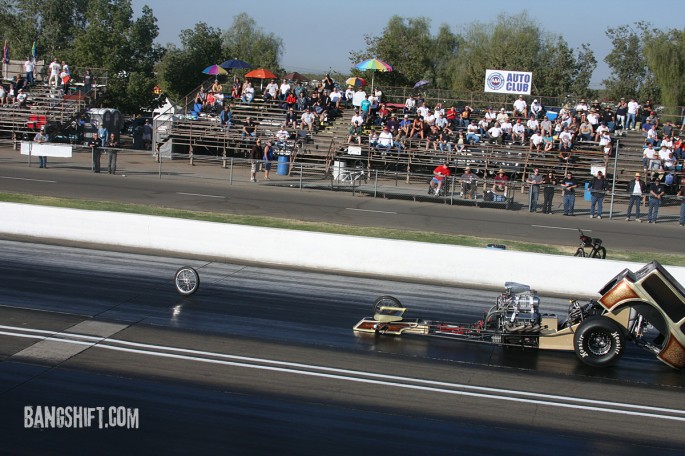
(440,173)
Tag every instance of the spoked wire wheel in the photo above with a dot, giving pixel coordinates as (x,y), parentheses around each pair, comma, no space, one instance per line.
(187,281)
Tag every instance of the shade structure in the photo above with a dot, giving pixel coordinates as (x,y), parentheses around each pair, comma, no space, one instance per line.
(373,65)
(234,64)
(214,70)
(295,76)
(421,83)
(356,82)
(260,73)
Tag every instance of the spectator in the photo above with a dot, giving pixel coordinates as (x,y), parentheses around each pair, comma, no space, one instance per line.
(597,187)
(249,130)
(307,120)
(267,157)
(147,135)
(335,97)
(585,131)
(581,108)
(549,183)
(520,107)
(385,140)
(355,133)
(500,187)
(255,157)
(41,138)
(291,100)
(248,93)
(536,109)
(502,116)
(237,89)
(647,110)
(507,128)
(536,142)
(569,186)
(633,109)
(284,89)
(469,184)
(103,134)
(365,108)
(649,154)
(282,136)
(112,152)
(409,105)
(440,173)
(3,95)
(518,132)
(636,189)
(601,130)
(29,67)
(656,191)
(495,134)
(271,91)
(95,145)
(349,95)
(472,135)
(532,125)
(55,69)
(226,117)
(534,180)
(358,97)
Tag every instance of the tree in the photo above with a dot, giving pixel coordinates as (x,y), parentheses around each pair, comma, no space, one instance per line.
(407,45)
(180,70)
(246,41)
(665,56)
(627,62)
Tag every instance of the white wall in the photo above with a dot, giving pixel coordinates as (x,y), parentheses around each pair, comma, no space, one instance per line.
(404,260)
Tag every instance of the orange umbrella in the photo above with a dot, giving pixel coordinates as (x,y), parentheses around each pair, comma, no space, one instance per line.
(260,73)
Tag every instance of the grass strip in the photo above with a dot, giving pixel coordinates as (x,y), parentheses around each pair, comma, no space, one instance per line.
(320,227)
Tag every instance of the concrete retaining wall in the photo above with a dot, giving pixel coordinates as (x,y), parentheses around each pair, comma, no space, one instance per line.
(403,260)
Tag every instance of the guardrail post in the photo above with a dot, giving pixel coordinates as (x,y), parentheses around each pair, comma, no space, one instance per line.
(300,176)
(230,173)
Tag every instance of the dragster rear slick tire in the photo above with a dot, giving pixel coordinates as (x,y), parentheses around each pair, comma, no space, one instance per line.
(599,342)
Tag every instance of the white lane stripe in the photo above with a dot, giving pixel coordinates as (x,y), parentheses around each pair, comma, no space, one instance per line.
(559,228)
(369,210)
(30,180)
(336,373)
(200,194)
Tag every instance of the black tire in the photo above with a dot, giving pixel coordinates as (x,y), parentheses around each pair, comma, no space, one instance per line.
(187,281)
(580,252)
(387,301)
(599,342)
(600,253)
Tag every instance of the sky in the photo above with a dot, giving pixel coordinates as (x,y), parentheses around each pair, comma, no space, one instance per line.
(318,37)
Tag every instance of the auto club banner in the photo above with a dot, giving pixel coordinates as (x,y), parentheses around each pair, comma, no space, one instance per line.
(503,81)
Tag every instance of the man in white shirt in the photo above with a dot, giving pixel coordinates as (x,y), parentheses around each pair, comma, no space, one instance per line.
(307,120)
(54,73)
(29,66)
(357,118)
(535,142)
(495,134)
(502,116)
(633,108)
(409,105)
(335,97)
(520,107)
(385,139)
(648,154)
(518,132)
(635,190)
(282,136)
(536,109)
(271,90)
(506,130)
(581,107)
(284,89)
(532,125)
(358,97)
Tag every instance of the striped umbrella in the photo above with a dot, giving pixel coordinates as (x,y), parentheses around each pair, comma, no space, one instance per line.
(356,82)
(214,70)
(373,65)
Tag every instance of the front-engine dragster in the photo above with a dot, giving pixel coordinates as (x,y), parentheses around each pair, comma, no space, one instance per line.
(647,307)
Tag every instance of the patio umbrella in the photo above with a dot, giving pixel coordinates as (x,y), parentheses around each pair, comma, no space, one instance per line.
(373,65)
(295,76)
(214,70)
(356,82)
(421,83)
(261,73)
(234,64)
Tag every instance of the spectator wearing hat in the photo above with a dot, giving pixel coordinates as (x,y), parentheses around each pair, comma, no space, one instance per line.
(469,184)
(581,107)
(536,109)
(636,189)
(500,186)
(569,185)
(41,138)
(501,116)
(534,180)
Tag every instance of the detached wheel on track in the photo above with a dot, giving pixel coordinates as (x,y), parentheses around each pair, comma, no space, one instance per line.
(599,342)
(387,301)
(187,281)
(600,253)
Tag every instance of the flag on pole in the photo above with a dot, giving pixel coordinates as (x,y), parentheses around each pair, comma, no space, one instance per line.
(6,53)
(34,51)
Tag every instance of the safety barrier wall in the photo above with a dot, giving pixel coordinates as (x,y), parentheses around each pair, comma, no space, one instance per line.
(401,260)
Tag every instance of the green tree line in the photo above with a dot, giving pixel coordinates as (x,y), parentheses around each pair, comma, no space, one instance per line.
(108,34)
